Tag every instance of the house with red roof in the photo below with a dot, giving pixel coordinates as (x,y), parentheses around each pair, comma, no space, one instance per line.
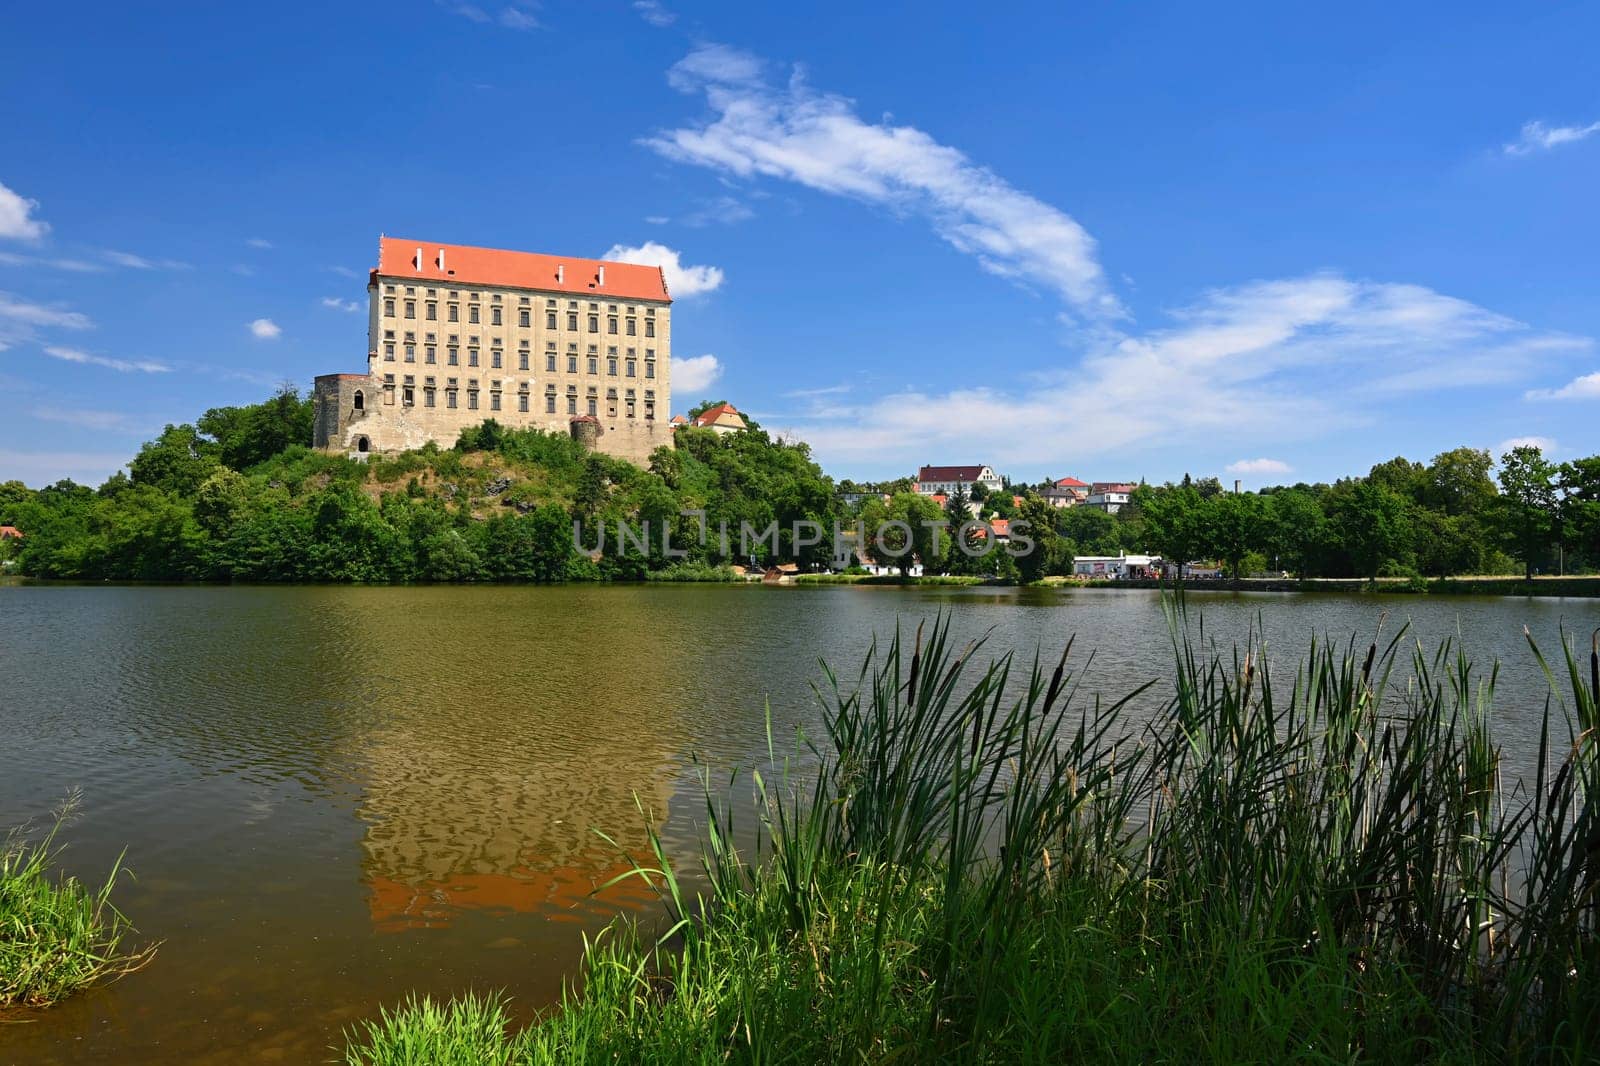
(942,480)
(10,533)
(723,418)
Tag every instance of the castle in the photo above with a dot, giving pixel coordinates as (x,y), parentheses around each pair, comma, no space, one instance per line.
(457,335)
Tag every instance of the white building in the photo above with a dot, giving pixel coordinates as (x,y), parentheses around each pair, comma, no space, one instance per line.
(1117,567)
(944,480)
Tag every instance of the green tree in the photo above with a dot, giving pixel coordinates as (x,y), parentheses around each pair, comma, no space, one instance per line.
(1371,521)
(1231,527)
(177,461)
(1297,529)
(1527,508)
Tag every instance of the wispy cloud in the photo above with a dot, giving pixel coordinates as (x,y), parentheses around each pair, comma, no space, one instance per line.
(652,12)
(1259,466)
(793,132)
(1544,444)
(140,262)
(17,219)
(657,220)
(43,468)
(515,16)
(695,373)
(1586,387)
(259,242)
(264,329)
(102,421)
(1256,365)
(1537,137)
(78,266)
(23,312)
(682,280)
(340,305)
(125,366)
(723,211)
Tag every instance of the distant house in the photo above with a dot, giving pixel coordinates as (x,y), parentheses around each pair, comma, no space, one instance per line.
(10,533)
(851,499)
(723,418)
(678,420)
(942,480)
(1117,567)
(1109,496)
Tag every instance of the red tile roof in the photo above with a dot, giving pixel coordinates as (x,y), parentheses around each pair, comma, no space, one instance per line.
(1071,483)
(10,531)
(397,258)
(711,414)
(949,473)
(1113,486)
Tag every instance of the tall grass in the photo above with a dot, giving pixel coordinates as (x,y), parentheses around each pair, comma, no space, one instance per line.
(979,862)
(57,935)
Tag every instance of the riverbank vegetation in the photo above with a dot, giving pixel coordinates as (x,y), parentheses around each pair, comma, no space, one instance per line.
(57,935)
(979,862)
(239,496)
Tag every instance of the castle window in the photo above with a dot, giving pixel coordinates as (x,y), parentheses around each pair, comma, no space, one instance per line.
(433,292)
(594,364)
(523,300)
(388,308)
(360,402)
(453,354)
(649,405)
(430,354)
(472,394)
(572,320)
(550,301)
(572,399)
(495,297)
(408,395)
(594,323)
(572,363)
(411,309)
(411,353)
(432,311)
(611,325)
(649,369)
(494,400)
(472,357)
(632,365)
(410,291)
(550,362)
(630,403)
(649,327)
(454,313)
(388,288)
(388,352)
(472,313)
(593,403)
(494,358)
(388,389)
(494,315)
(427,394)
(363,445)
(522,402)
(522,360)
(523,319)
(633,327)
(611,403)
(611,366)
(550,320)
(550,400)
(450,393)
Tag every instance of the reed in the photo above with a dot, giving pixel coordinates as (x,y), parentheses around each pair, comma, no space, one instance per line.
(57,935)
(979,862)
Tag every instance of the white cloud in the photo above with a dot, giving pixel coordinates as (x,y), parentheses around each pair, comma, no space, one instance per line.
(516,16)
(1536,137)
(259,242)
(45,468)
(77,266)
(816,139)
(652,12)
(1586,387)
(16,217)
(1544,444)
(694,374)
(125,366)
(657,220)
(103,421)
(1259,466)
(340,305)
(264,329)
(18,310)
(725,211)
(139,262)
(681,280)
(1257,364)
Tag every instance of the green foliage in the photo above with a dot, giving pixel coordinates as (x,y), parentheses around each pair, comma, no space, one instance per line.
(977,864)
(57,935)
(1528,505)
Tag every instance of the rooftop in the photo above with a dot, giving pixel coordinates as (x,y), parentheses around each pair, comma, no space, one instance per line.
(950,473)
(444,264)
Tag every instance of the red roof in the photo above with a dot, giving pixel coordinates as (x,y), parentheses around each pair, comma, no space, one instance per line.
(950,473)
(711,414)
(1071,483)
(10,531)
(1113,486)
(397,258)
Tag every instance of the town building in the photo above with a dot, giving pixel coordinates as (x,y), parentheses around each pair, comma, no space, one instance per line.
(1117,567)
(942,480)
(457,335)
(723,418)
(1109,496)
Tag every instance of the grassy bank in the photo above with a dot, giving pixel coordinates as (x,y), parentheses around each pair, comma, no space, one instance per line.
(1325,866)
(894,579)
(1584,587)
(57,935)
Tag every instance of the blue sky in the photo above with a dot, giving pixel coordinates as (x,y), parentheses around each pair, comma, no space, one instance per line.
(1264,241)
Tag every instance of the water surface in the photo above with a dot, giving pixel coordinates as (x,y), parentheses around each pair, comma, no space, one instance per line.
(334,796)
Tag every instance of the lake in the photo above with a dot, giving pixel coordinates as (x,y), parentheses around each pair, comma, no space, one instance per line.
(334,796)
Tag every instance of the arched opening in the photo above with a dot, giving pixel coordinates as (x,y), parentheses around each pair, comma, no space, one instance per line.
(362,445)
(361,401)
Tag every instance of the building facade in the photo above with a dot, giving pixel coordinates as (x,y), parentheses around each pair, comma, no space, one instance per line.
(457,335)
(942,480)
